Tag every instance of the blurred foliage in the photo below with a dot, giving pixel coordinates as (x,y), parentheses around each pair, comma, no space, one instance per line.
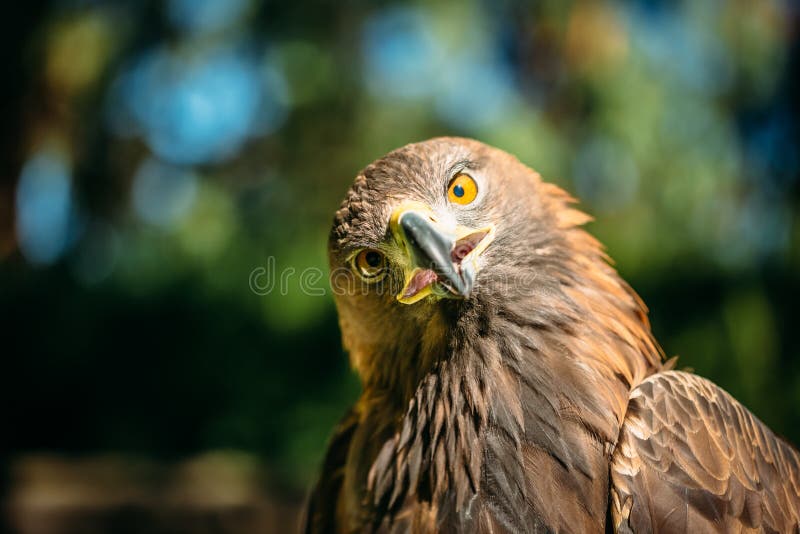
(158,152)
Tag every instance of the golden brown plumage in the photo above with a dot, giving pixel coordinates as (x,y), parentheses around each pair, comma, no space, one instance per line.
(692,459)
(511,381)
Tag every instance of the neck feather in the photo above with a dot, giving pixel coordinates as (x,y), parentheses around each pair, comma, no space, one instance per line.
(547,370)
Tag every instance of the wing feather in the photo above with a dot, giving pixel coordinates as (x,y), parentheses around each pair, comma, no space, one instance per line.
(691,458)
(323,502)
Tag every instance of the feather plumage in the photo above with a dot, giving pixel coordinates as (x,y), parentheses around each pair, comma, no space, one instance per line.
(538,404)
(692,459)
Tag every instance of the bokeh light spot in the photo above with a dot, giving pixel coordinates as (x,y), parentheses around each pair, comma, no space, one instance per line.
(44,207)
(198,109)
(401,52)
(477,94)
(202,16)
(162,193)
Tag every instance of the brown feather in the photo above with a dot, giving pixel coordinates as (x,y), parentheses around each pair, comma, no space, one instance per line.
(691,458)
(502,412)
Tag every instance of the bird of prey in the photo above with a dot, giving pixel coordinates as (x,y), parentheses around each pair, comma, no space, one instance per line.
(511,382)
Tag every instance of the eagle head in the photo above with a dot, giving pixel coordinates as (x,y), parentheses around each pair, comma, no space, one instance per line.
(430,233)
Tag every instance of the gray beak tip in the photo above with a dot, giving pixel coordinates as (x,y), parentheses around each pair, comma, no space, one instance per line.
(432,249)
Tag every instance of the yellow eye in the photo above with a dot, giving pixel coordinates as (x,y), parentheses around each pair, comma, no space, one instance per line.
(370,264)
(462,189)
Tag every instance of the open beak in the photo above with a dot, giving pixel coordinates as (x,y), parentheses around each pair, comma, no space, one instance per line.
(441,260)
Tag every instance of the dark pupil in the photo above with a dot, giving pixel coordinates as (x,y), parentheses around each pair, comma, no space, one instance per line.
(373,259)
(458,191)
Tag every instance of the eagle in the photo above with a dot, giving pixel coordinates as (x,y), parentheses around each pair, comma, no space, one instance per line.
(510,378)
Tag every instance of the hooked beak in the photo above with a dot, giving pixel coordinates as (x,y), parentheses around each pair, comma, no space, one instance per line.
(441,260)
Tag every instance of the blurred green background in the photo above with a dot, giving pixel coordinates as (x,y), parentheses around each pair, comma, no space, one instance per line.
(155,155)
